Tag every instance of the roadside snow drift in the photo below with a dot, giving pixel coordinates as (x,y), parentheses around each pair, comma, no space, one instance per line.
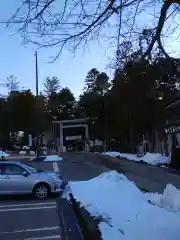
(125,211)
(169,200)
(150,158)
(53,158)
(24,153)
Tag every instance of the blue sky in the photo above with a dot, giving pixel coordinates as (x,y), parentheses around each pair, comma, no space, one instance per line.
(20,61)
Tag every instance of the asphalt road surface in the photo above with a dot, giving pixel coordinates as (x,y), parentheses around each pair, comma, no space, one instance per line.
(83,166)
(75,167)
(28,220)
(148,178)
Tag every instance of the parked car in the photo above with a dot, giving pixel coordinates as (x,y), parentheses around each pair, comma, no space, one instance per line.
(19,178)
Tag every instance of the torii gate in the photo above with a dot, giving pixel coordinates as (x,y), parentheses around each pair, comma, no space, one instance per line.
(75,123)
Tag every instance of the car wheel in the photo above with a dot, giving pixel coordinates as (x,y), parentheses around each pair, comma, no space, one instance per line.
(41,191)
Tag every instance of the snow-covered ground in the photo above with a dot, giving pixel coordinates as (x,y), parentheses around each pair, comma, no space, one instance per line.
(53,158)
(150,158)
(125,211)
(24,153)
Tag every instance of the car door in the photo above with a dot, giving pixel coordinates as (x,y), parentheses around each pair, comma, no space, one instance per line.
(3,179)
(14,181)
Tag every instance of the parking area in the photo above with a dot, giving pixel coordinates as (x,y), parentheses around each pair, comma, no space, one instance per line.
(25,219)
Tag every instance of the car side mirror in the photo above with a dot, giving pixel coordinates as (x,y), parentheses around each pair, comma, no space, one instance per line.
(25,174)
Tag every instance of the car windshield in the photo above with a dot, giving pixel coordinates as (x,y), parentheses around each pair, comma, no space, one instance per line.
(31,169)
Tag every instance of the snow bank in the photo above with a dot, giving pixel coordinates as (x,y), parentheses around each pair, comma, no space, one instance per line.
(169,200)
(112,154)
(32,153)
(3,154)
(150,158)
(125,211)
(25,148)
(154,158)
(22,153)
(54,158)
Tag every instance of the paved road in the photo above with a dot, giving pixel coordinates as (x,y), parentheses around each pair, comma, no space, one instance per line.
(149,178)
(73,168)
(28,220)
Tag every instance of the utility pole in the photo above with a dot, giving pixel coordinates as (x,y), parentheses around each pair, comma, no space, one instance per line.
(37,93)
(37,80)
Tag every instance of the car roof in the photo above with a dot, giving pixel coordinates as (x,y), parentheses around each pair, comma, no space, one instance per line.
(11,162)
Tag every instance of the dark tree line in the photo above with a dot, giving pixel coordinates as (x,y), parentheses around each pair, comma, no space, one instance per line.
(134,102)
(124,108)
(22,111)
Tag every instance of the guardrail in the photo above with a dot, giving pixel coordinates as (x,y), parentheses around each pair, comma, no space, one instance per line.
(74,224)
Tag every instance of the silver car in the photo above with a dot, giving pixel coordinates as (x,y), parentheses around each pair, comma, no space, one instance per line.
(20,178)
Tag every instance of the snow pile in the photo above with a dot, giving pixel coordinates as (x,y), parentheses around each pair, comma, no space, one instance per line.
(32,153)
(154,158)
(3,154)
(112,154)
(163,166)
(125,212)
(169,200)
(25,148)
(22,153)
(150,158)
(53,158)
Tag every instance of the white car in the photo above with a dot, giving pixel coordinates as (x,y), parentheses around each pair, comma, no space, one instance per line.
(19,178)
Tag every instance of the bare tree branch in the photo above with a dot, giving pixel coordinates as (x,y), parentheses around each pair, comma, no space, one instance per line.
(40,13)
(159,28)
(57,23)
